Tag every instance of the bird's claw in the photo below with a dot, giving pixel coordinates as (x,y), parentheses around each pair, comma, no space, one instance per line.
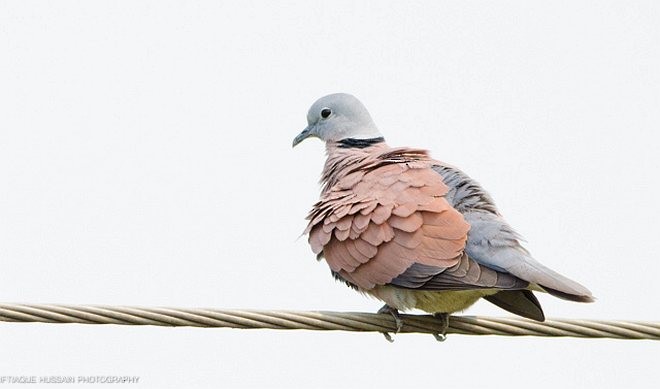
(443,318)
(440,337)
(388,337)
(397,320)
(444,321)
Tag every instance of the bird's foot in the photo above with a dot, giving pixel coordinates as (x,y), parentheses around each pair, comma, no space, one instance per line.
(444,321)
(397,319)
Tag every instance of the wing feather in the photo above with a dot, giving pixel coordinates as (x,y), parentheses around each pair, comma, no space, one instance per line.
(384,217)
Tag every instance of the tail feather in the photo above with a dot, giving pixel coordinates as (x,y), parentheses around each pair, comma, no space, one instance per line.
(523,266)
(520,302)
(492,242)
(580,298)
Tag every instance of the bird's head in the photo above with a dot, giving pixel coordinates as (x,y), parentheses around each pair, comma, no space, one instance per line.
(336,117)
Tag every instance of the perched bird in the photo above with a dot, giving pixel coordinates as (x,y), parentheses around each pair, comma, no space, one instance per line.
(412,231)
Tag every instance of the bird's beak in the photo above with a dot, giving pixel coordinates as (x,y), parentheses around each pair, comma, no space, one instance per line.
(306,133)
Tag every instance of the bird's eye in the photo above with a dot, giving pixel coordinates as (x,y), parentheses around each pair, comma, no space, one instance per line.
(325,112)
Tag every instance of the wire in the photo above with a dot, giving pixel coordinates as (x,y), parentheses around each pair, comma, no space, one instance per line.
(329,321)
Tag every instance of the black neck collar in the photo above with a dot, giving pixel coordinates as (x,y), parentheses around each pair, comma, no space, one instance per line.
(351,143)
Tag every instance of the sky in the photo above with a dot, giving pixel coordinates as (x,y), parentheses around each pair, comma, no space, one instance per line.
(145,159)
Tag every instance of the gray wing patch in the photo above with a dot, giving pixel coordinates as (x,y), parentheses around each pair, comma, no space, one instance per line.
(465,194)
(466,275)
(493,243)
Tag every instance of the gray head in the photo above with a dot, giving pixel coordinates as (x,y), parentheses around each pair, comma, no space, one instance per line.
(336,117)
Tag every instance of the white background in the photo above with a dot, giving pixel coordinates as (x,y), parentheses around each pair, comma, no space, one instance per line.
(145,159)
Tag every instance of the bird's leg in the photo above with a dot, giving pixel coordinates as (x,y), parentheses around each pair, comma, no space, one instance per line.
(444,321)
(397,319)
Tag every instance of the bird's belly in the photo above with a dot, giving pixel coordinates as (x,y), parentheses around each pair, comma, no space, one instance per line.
(448,301)
(429,301)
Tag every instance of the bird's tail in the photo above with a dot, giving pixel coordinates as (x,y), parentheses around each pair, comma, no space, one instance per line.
(518,262)
(580,298)
(554,283)
(521,302)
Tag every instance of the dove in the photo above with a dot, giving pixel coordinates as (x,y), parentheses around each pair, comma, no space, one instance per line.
(412,231)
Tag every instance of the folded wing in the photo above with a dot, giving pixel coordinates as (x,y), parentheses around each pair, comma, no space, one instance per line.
(493,243)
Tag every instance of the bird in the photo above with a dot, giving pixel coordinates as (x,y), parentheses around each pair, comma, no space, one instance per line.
(414,232)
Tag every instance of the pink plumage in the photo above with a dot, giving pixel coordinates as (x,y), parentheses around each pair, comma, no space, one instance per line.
(382,210)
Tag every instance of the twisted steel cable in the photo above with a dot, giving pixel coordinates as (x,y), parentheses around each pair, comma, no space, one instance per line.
(318,320)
